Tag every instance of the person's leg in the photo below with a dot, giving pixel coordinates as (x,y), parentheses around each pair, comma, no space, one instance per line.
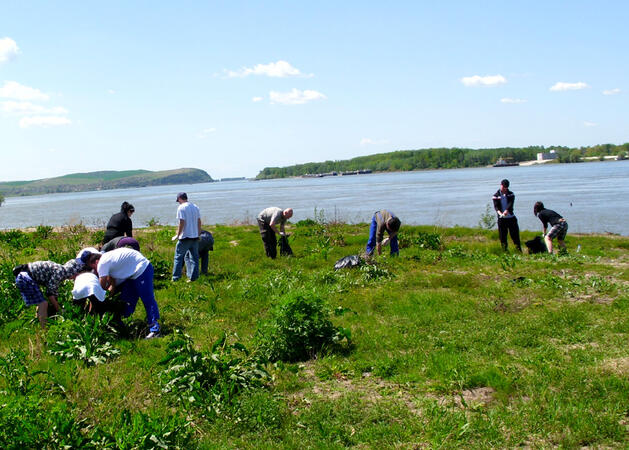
(205,260)
(144,286)
(395,248)
(549,243)
(561,236)
(371,242)
(193,267)
(129,297)
(503,232)
(188,264)
(180,251)
(42,313)
(514,231)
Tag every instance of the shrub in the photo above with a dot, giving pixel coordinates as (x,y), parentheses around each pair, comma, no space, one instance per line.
(298,329)
(11,304)
(87,341)
(422,239)
(213,379)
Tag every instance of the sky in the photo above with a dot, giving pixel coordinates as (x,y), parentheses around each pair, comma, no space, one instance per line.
(232,87)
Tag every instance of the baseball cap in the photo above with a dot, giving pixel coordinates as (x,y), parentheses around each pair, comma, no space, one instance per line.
(182,195)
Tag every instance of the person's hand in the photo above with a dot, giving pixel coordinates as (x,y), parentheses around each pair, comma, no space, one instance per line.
(175,237)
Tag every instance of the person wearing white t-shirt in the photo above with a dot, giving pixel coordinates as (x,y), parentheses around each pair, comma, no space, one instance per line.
(128,271)
(187,238)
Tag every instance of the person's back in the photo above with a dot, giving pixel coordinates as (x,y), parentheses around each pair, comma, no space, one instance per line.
(122,264)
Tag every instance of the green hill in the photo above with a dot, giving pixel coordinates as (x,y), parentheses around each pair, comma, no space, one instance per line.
(440,158)
(107,179)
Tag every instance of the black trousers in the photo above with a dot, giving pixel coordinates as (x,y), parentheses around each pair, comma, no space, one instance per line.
(509,226)
(269,239)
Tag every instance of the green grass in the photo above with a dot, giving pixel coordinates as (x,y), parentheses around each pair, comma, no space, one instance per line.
(453,344)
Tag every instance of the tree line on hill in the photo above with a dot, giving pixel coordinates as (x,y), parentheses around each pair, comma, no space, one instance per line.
(442,158)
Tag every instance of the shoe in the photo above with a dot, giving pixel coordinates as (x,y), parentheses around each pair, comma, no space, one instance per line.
(152,335)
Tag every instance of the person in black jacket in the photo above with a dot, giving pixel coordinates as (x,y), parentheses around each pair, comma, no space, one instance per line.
(120,223)
(559,226)
(507,222)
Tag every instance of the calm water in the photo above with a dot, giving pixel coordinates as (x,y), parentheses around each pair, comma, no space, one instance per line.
(593,197)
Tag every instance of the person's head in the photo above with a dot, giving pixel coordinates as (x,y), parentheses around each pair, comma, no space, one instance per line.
(504,186)
(182,197)
(93,259)
(288,213)
(127,208)
(537,207)
(393,224)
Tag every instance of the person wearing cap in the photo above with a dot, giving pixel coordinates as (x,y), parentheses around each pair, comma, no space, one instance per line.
(120,224)
(507,222)
(119,242)
(382,221)
(558,226)
(268,220)
(29,277)
(187,238)
(129,272)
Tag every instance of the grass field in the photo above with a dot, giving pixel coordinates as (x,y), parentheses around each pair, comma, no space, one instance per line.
(453,344)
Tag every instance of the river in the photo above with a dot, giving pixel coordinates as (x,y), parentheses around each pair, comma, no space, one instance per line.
(593,197)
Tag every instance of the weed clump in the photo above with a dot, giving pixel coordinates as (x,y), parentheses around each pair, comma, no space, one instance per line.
(299,328)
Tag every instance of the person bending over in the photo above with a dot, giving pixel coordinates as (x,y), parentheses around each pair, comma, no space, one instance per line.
(558,226)
(383,221)
(268,220)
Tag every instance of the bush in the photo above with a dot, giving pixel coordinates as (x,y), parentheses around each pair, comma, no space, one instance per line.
(298,329)
(422,239)
(213,379)
(87,341)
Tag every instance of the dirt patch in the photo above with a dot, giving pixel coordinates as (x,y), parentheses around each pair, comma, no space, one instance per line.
(618,366)
(472,398)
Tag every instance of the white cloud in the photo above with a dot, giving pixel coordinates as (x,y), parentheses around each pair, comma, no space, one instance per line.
(611,91)
(489,80)
(590,124)
(279,69)
(12,107)
(513,100)
(8,49)
(368,141)
(295,97)
(12,89)
(205,132)
(257,99)
(561,86)
(44,121)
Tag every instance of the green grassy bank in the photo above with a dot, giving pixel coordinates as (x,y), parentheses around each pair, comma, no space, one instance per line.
(453,344)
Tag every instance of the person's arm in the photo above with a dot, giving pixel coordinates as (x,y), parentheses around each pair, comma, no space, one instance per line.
(129,231)
(107,282)
(182,223)
(273,222)
(52,299)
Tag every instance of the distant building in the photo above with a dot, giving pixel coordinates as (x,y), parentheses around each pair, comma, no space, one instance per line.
(547,156)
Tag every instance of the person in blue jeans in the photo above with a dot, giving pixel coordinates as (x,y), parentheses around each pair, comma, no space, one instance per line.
(187,238)
(382,221)
(129,272)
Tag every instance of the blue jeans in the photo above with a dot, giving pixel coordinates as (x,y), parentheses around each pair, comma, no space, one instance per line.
(371,243)
(141,287)
(183,247)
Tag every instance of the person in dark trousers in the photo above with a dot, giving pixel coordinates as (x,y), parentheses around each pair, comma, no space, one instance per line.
(559,226)
(268,219)
(507,222)
(120,223)
(383,221)
(206,244)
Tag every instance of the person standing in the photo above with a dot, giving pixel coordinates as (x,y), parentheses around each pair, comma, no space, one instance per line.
(49,274)
(268,220)
(187,238)
(559,226)
(382,221)
(507,222)
(120,224)
(129,272)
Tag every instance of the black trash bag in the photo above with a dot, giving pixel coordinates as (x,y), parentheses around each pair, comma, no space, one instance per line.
(536,245)
(349,261)
(285,249)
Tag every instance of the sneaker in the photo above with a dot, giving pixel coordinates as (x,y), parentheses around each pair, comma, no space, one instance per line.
(152,335)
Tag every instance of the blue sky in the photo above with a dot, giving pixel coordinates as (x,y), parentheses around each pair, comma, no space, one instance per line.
(232,87)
